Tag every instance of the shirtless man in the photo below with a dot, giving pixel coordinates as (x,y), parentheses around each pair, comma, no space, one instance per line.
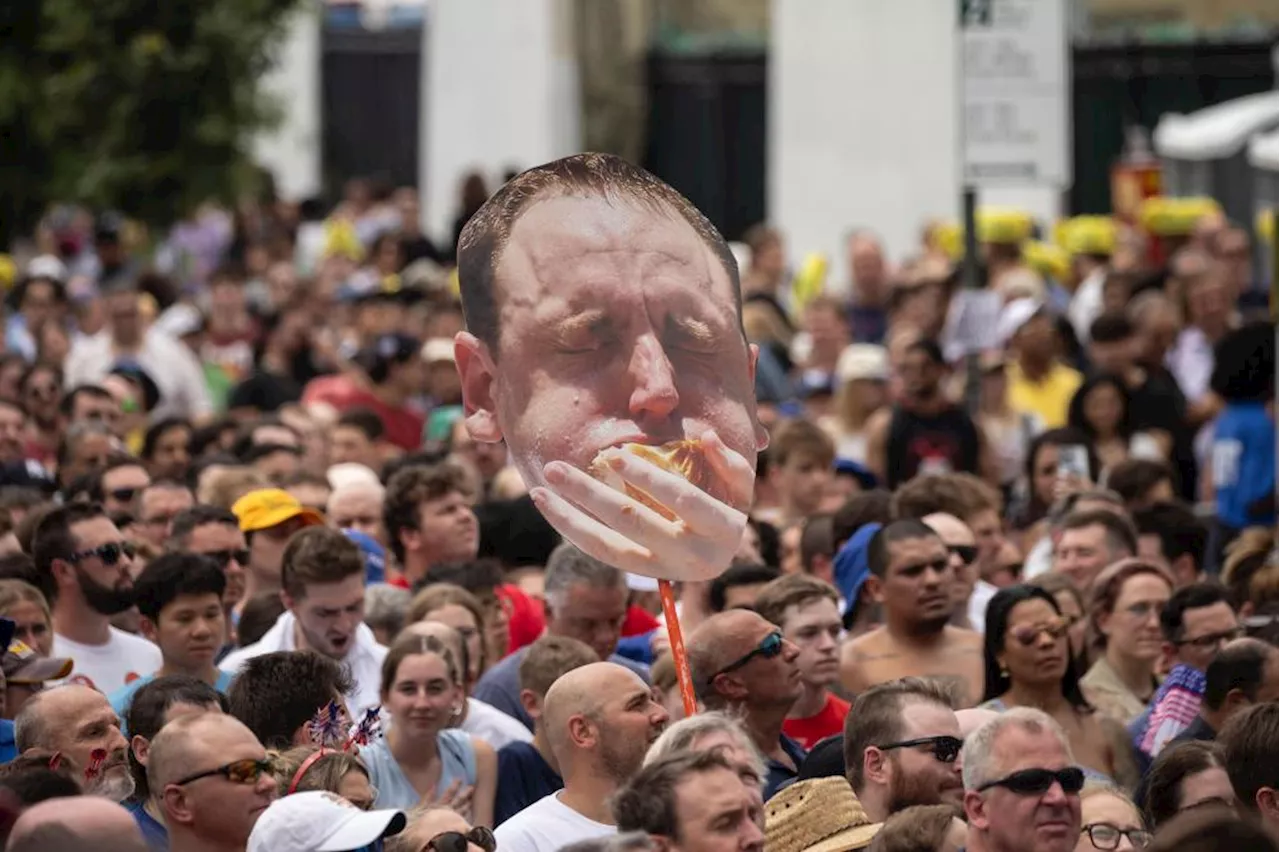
(912,579)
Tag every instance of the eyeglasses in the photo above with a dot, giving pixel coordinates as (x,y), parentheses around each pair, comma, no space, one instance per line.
(1027,634)
(110,553)
(1144,609)
(1105,836)
(769,647)
(1036,782)
(237,772)
(1211,640)
(123,495)
(224,557)
(967,552)
(945,748)
(455,841)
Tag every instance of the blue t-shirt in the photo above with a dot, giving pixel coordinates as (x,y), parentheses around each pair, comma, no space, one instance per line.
(1244,465)
(155,835)
(777,774)
(524,777)
(8,746)
(457,763)
(122,697)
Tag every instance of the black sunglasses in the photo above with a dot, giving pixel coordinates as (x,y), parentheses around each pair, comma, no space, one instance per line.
(1036,782)
(110,553)
(967,552)
(769,647)
(123,495)
(1211,640)
(224,557)
(237,772)
(945,748)
(456,841)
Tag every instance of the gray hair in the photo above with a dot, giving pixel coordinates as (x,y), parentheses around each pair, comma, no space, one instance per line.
(567,566)
(28,726)
(978,750)
(385,606)
(680,737)
(632,841)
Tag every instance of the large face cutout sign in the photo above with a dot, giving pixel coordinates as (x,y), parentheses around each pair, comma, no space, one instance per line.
(604,344)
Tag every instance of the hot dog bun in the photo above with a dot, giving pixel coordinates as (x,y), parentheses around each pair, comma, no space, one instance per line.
(683,458)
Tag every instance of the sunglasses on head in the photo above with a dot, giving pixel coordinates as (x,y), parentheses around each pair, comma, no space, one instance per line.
(945,748)
(1027,634)
(769,647)
(237,772)
(456,841)
(224,557)
(110,553)
(967,552)
(1036,782)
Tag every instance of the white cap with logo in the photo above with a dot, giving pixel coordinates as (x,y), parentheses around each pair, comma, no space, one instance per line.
(320,821)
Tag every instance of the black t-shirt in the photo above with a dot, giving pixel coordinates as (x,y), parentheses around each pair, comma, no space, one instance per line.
(264,391)
(1158,403)
(945,442)
(524,777)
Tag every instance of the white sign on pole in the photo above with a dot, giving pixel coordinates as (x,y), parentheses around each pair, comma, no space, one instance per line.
(1016,85)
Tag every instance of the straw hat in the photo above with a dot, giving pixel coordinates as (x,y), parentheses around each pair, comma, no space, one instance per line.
(819,815)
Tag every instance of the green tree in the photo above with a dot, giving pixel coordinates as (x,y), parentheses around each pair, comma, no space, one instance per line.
(145,106)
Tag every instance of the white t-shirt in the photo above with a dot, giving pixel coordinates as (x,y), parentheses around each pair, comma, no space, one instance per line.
(546,826)
(488,723)
(106,668)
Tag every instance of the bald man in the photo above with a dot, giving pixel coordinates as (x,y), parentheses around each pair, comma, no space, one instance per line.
(73,825)
(209,776)
(600,720)
(358,506)
(742,664)
(972,593)
(78,721)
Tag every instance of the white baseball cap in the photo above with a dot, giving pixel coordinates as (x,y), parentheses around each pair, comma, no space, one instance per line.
(320,821)
(1014,316)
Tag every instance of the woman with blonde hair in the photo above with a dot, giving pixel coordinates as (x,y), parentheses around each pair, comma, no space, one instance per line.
(305,768)
(861,378)
(27,608)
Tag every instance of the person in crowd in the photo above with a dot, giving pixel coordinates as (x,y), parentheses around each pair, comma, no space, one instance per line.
(527,771)
(356,437)
(26,673)
(924,432)
(1044,478)
(801,456)
(1028,663)
(1071,604)
(807,611)
(420,756)
(180,599)
(585,600)
(713,730)
(901,744)
(323,582)
(1110,820)
(428,519)
(512,619)
(158,504)
(439,827)
(268,518)
(686,800)
(1240,675)
(1211,828)
(1039,382)
(739,586)
(215,533)
(962,552)
(166,448)
(25,605)
(358,506)
(92,823)
(159,702)
(1089,542)
(459,609)
(862,373)
(1124,617)
(83,555)
(79,722)
(921,828)
(278,694)
(742,663)
(599,720)
(1102,410)
(1142,482)
(211,780)
(1021,785)
(1250,744)
(1171,533)
(1186,775)
(306,768)
(912,579)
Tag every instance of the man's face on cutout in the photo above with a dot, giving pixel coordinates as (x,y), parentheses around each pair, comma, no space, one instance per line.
(619,325)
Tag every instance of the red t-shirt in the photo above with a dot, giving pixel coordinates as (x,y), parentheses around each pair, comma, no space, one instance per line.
(826,722)
(403,426)
(525,618)
(638,621)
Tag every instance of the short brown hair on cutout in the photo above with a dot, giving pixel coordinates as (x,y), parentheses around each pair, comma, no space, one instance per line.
(876,717)
(960,494)
(801,437)
(920,828)
(318,555)
(485,237)
(550,658)
(792,590)
(412,486)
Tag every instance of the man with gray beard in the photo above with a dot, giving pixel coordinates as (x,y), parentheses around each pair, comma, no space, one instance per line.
(79,723)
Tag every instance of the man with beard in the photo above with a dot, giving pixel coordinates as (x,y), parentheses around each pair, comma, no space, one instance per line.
(85,559)
(901,741)
(323,577)
(600,720)
(78,721)
(1022,787)
(743,664)
(913,579)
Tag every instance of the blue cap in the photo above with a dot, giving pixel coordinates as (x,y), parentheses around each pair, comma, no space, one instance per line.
(866,479)
(851,566)
(375,556)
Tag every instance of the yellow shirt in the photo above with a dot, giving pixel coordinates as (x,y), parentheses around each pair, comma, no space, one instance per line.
(1048,398)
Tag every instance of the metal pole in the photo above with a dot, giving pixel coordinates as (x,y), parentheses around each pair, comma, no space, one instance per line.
(972,277)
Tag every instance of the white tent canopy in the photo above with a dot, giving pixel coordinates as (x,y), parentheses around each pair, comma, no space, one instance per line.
(1264,151)
(1218,131)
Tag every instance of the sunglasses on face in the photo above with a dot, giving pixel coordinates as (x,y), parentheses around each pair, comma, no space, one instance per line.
(1037,782)
(454,841)
(1027,634)
(1105,836)
(110,553)
(769,647)
(1211,640)
(224,557)
(967,552)
(945,749)
(237,772)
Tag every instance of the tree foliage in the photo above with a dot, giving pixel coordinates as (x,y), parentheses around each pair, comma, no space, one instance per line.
(145,106)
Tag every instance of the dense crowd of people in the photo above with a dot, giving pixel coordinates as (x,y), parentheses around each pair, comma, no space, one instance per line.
(272,581)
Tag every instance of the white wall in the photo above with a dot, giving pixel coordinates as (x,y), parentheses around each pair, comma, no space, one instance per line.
(500,90)
(292,150)
(864,125)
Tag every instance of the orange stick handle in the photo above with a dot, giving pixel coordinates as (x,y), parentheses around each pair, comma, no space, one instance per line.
(683,676)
